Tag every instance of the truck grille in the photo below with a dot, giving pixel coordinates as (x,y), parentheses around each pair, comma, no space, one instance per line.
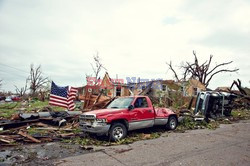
(86,119)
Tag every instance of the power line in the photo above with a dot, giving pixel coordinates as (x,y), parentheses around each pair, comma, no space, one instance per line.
(8,73)
(14,68)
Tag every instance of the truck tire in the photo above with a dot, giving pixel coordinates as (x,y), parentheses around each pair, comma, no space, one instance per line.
(172,123)
(117,132)
(228,113)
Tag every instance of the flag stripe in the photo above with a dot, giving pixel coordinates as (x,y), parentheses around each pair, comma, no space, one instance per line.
(58,104)
(71,98)
(63,96)
(58,97)
(58,101)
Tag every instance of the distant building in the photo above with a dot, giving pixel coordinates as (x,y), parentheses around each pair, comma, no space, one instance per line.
(113,88)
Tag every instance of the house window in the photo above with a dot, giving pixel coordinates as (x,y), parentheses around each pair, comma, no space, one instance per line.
(118,91)
(182,89)
(164,87)
(195,91)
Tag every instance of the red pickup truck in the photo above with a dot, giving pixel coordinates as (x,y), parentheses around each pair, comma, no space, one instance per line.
(125,114)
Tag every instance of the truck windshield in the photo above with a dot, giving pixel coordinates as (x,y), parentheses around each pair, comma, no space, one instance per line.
(121,103)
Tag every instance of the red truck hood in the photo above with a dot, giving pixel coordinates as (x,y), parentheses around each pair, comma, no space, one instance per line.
(102,112)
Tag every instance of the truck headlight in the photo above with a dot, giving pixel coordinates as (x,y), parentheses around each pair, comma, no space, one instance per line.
(101,120)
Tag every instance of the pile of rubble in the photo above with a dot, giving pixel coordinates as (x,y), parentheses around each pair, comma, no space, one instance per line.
(44,126)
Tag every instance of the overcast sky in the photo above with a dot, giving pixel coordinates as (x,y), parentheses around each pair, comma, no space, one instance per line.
(134,38)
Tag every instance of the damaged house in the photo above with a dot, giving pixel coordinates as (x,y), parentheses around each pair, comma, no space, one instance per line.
(191,87)
(98,94)
(168,92)
(113,88)
(160,91)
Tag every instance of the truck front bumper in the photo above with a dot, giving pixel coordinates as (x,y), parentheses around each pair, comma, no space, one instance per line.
(98,129)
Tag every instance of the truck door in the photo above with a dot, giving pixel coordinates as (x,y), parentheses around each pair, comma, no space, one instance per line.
(142,116)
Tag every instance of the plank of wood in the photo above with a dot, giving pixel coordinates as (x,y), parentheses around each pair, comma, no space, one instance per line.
(67,135)
(53,129)
(5,141)
(28,136)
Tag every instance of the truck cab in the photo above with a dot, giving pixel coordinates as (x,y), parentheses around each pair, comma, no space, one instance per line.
(214,104)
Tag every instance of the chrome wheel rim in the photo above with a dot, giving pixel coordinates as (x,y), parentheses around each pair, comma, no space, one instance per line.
(118,133)
(172,123)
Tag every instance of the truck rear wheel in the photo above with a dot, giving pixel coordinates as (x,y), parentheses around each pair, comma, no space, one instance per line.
(172,123)
(117,132)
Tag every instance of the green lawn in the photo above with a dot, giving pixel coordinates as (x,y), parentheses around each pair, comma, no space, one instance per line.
(8,109)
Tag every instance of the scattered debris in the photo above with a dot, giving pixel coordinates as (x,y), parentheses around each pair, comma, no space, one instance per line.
(44,124)
(39,127)
(86,147)
(24,134)
(123,150)
(39,154)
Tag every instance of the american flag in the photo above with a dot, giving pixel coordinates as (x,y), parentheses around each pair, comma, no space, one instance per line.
(62,96)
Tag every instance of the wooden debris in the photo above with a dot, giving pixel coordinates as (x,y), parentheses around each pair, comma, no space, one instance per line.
(86,147)
(66,135)
(46,139)
(5,141)
(28,136)
(123,150)
(40,124)
(54,129)
(146,136)
(29,129)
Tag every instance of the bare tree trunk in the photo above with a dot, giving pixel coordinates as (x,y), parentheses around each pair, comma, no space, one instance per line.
(37,81)
(172,69)
(21,92)
(97,67)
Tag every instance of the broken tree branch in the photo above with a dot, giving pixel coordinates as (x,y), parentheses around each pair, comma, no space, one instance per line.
(172,69)
(201,72)
(222,64)
(219,71)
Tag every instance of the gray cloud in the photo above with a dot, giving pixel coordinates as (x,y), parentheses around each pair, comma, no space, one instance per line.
(134,38)
(229,39)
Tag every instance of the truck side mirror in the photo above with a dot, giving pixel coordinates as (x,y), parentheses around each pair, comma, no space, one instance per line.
(130,107)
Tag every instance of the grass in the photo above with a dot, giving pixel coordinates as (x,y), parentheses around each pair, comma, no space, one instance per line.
(189,123)
(36,105)
(101,141)
(8,109)
(32,131)
(241,114)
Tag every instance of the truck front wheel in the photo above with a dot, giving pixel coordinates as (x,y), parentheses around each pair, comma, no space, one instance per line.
(117,132)
(172,123)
